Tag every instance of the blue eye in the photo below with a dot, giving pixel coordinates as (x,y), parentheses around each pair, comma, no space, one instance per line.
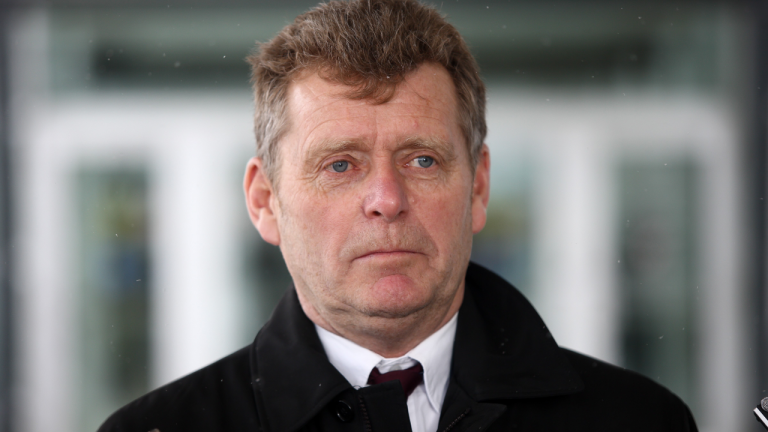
(340,166)
(425,161)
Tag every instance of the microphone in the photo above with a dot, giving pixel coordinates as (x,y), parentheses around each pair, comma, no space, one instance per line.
(761,412)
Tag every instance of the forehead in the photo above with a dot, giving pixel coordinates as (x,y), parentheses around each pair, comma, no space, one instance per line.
(424,105)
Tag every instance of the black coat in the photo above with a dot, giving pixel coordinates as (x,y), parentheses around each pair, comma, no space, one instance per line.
(507,374)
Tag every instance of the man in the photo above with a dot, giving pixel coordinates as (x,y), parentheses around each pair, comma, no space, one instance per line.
(371,176)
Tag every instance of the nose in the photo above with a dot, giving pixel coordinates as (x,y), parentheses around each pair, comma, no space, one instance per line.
(385,196)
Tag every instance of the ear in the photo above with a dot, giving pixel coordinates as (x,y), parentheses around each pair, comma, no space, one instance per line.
(481,189)
(260,199)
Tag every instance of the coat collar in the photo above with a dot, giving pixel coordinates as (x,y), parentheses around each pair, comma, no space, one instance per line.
(502,350)
(291,376)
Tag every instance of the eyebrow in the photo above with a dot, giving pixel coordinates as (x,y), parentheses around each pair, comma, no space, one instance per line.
(329,147)
(430,143)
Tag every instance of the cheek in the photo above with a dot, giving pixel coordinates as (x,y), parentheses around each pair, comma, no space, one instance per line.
(317,225)
(445,215)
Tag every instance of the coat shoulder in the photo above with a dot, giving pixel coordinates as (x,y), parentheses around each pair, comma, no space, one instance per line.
(621,397)
(206,400)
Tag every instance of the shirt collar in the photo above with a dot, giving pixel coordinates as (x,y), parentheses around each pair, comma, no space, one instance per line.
(434,353)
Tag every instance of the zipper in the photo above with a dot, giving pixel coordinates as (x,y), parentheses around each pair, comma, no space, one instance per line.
(365,415)
(453,423)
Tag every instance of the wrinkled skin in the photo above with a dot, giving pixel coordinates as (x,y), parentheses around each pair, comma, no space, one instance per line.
(376,208)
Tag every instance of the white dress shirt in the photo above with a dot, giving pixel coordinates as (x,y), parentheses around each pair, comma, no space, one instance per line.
(434,353)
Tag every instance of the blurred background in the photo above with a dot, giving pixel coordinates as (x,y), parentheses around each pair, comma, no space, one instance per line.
(628,144)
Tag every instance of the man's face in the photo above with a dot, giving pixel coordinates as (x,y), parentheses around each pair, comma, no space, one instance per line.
(377,203)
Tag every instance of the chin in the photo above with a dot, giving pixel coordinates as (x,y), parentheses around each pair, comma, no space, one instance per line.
(396,297)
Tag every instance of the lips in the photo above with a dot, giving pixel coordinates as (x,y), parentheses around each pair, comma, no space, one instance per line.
(396,241)
(387,253)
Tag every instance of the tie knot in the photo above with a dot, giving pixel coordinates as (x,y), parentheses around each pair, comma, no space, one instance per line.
(409,378)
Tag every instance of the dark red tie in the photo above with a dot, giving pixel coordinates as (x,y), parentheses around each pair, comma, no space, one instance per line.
(409,378)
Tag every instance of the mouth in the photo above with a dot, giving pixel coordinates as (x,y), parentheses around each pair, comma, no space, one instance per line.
(388,253)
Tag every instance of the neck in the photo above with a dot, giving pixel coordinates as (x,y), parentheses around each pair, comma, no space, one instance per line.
(387,337)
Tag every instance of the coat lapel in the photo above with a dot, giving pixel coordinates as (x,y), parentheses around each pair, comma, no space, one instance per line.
(460,412)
